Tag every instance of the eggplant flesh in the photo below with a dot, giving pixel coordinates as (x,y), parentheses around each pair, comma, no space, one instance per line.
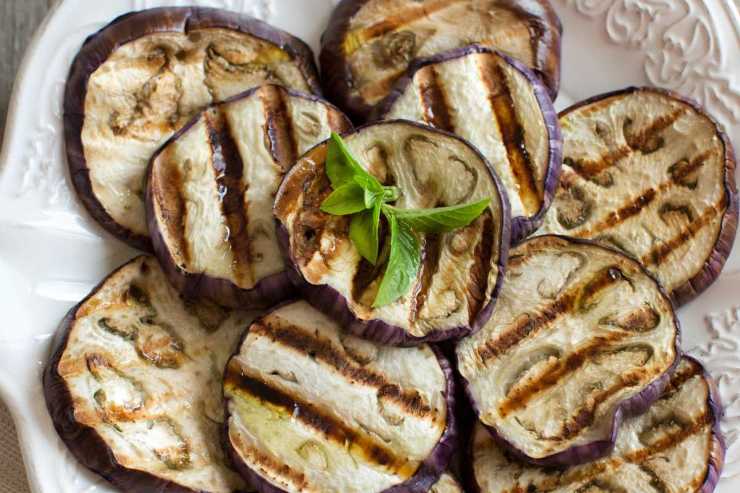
(498,105)
(581,335)
(675,446)
(446,484)
(461,271)
(311,408)
(211,189)
(370,43)
(648,172)
(134,384)
(142,77)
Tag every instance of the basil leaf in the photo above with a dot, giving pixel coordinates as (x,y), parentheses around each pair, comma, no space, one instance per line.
(342,167)
(347,199)
(363,231)
(440,219)
(403,263)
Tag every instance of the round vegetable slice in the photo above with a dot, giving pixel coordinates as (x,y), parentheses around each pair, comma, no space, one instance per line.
(581,337)
(649,172)
(311,408)
(211,189)
(139,79)
(501,107)
(460,274)
(675,446)
(133,385)
(369,43)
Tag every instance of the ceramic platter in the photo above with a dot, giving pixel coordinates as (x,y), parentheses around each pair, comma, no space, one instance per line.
(52,253)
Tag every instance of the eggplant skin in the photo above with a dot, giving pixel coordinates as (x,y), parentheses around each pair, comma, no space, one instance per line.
(126,28)
(330,301)
(634,406)
(717,451)
(715,262)
(429,471)
(338,81)
(267,291)
(521,226)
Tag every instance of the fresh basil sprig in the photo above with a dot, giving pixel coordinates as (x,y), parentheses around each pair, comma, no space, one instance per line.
(358,193)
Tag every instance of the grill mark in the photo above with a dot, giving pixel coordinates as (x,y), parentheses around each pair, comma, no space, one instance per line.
(655,480)
(660,253)
(644,136)
(590,168)
(323,350)
(680,377)
(432,98)
(169,192)
(521,396)
(279,127)
(332,428)
(337,122)
(630,209)
(512,132)
(271,465)
(429,268)
(528,325)
(694,165)
(357,38)
(592,471)
(478,285)
(229,170)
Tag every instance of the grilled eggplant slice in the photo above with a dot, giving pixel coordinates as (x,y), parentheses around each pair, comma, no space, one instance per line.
(211,189)
(461,271)
(500,106)
(370,43)
(649,172)
(581,337)
(311,408)
(675,446)
(139,79)
(133,385)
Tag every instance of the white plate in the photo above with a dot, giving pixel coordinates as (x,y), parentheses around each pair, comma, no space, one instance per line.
(52,254)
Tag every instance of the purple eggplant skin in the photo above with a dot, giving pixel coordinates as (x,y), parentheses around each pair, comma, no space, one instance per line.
(726,237)
(425,477)
(85,444)
(521,226)
(717,454)
(634,406)
(336,74)
(126,28)
(265,293)
(327,300)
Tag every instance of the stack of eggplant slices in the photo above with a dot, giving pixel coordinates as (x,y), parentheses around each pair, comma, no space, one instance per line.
(467,289)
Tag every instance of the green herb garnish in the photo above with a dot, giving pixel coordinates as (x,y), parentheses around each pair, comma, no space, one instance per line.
(358,193)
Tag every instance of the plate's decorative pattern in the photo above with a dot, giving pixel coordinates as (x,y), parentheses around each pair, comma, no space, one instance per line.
(682,44)
(692,46)
(721,355)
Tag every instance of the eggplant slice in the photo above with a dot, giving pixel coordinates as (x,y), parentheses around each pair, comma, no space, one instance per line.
(461,271)
(649,172)
(311,408)
(581,337)
(139,79)
(500,106)
(211,189)
(133,385)
(675,446)
(369,43)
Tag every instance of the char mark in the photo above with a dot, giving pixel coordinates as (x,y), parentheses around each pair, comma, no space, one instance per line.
(628,210)
(328,425)
(229,170)
(512,133)
(433,100)
(429,267)
(279,135)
